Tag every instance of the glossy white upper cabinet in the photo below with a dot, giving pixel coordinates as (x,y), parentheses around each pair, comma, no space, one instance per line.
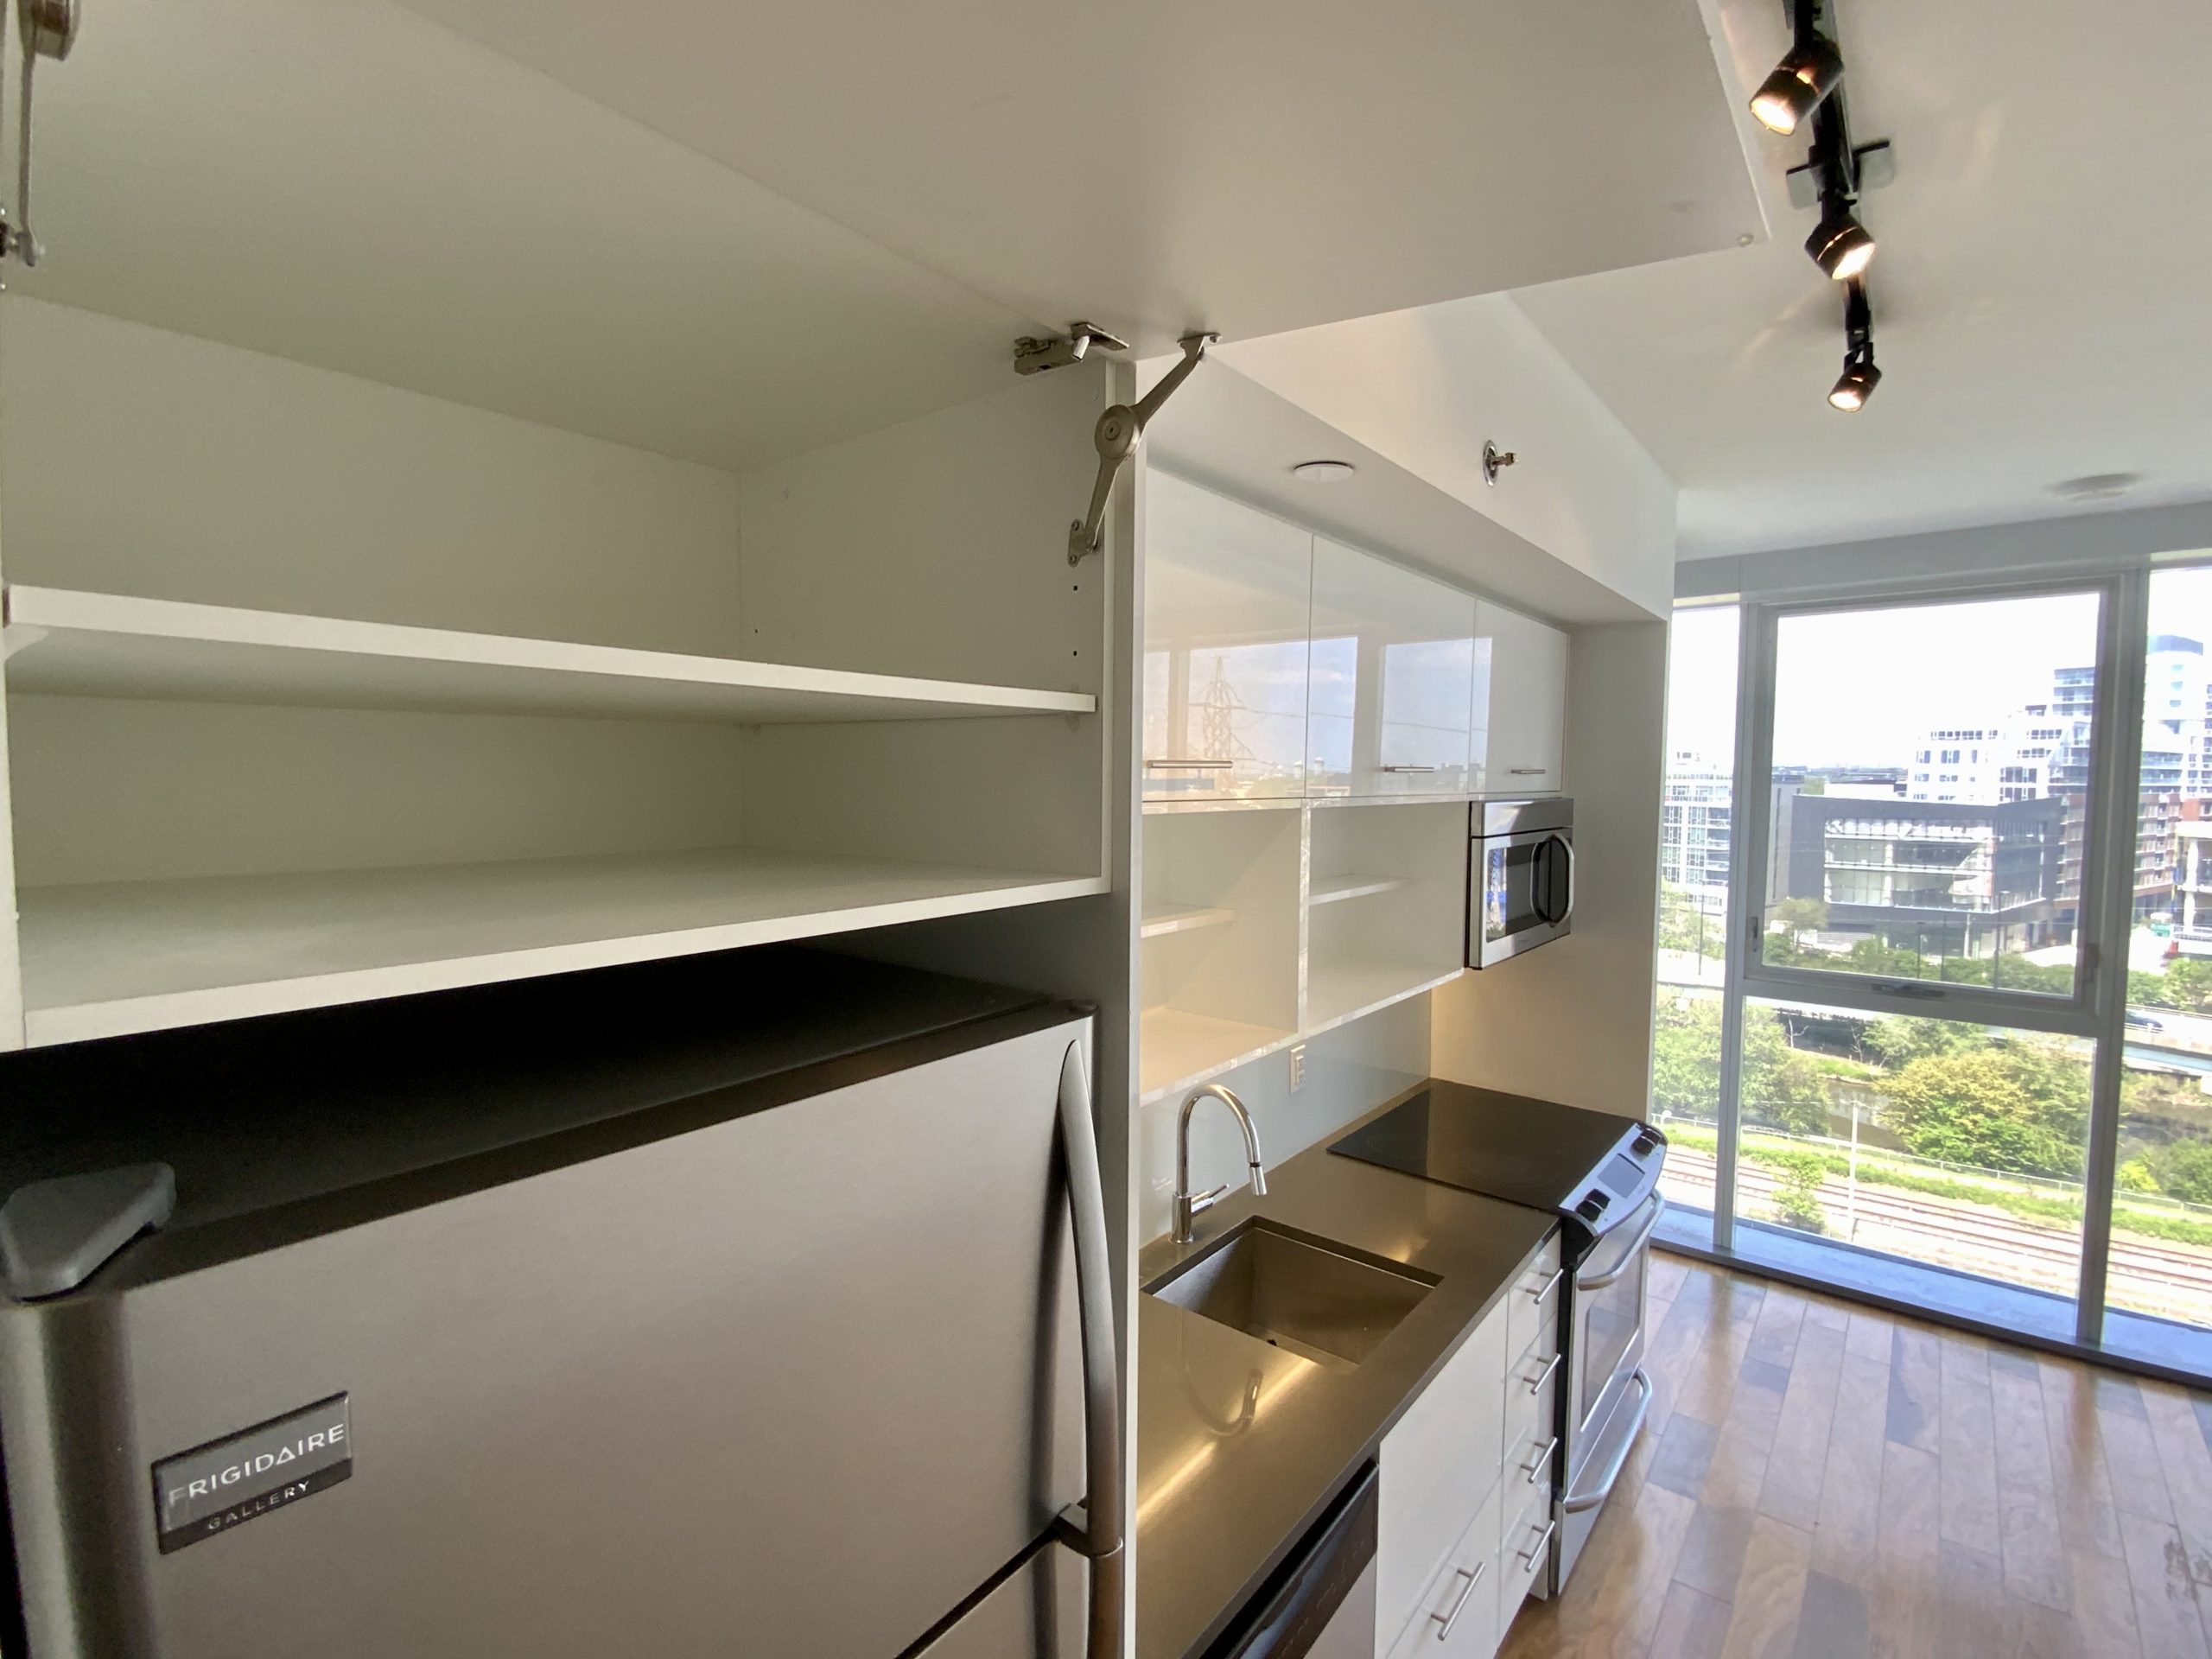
(1519,704)
(1226,612)
(1391,693)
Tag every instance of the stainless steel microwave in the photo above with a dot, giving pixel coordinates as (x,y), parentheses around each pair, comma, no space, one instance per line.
(1520,877)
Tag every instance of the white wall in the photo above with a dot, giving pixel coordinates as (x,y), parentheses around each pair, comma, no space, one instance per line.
(1427,387)
(1348,1071)
(1572,1022)
(2080,541)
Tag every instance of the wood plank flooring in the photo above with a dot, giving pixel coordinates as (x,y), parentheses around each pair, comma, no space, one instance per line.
(1817,1481)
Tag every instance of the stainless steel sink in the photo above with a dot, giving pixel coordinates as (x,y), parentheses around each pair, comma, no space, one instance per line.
(1321,1301)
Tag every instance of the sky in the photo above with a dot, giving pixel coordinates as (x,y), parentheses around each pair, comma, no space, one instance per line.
(1863,687)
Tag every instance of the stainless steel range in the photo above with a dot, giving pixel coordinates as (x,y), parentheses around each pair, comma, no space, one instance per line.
(1599,1175)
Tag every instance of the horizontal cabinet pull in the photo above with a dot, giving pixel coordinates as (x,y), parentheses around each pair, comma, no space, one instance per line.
(1409,768)
(1539,1295)
(1192,765)
(1444,1621)
(1525,771)
(1537,1384)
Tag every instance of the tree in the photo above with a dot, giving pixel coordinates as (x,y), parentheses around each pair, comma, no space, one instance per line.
(1797,1195)
(1798,917)
(2184,1170)
(1897,1040)
(2015,1106)
(2189,984)
(1782,1087)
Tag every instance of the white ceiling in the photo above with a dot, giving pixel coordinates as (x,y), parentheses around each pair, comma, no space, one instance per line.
(1250,166)
(2041,296)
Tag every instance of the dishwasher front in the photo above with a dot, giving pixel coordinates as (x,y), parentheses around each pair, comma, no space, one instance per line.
(1320,1603)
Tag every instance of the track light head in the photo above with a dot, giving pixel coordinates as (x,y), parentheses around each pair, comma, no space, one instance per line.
(1840,244)
(1857,382)
(1807,74)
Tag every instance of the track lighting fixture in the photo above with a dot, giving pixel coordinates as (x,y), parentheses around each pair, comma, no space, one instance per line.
(1859,376)
(1808,72)
(1840,244)
(1806,85)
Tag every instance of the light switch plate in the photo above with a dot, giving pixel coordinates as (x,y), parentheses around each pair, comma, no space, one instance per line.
(1296,1067)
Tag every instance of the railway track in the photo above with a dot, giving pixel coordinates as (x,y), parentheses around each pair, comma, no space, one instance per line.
(1988,1233)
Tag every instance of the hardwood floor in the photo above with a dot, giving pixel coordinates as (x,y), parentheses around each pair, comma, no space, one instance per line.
(1818,1481)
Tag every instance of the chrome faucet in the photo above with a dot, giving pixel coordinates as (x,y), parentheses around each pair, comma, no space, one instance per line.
(1189,1206)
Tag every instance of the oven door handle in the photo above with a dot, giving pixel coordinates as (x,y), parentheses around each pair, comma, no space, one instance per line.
(1629,1252)
(1578,1500)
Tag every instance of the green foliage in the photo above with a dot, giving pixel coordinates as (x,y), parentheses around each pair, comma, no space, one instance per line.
(1781,1086)
(2184,1170)
(2135,1176)
(1896,1041)
(1797,1198)
(1682,928)
(2015,1106)
(1799,915)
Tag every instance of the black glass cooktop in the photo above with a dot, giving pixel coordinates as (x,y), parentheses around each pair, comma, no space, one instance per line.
(1590,1166)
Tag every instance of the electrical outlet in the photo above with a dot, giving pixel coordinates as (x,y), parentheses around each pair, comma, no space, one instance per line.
(1296,1067)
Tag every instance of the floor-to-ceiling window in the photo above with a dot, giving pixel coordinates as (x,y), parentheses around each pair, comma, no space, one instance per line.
(1955,1050)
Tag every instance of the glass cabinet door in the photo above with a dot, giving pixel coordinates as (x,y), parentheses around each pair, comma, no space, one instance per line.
(1227,603)
(1392,678)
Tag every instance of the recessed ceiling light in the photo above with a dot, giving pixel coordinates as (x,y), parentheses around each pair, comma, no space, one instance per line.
(1323,472)
(2097,486)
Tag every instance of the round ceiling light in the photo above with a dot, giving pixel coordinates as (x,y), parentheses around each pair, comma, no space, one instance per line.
(1323,472)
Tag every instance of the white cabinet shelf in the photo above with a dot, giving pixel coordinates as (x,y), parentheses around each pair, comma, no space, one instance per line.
(1179,1048)
(1183,918)
(1336,889)
(1338,993)
(74,642)
(113,957)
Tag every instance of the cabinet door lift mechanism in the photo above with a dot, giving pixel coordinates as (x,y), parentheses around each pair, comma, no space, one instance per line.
(48,28)
(1120,428)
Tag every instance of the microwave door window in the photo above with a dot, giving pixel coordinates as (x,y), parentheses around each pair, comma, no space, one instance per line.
(1511,904)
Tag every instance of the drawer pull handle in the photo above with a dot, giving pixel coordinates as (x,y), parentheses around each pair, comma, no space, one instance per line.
(1541,1460)
(1536,1385)
(1543,1542)
(1525,771)
(1164,763)
(1444,1621)
(1539,1297)
(1409,768)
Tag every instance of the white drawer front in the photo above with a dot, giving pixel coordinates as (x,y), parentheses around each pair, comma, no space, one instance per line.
(1457,1616)
(1534,1301)
(1437,1465)
(1523,1547)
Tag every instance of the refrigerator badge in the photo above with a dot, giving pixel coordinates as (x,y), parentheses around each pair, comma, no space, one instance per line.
(243,1477)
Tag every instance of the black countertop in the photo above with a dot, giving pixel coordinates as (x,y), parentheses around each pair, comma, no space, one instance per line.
(1240,1445)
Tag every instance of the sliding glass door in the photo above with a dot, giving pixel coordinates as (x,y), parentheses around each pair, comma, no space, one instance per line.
(1947,1043)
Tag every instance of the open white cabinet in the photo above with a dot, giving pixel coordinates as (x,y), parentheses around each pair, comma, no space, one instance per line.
(410,585)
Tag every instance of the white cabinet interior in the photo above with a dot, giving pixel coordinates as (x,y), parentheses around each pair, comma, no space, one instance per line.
(1390,679)
(1385,912)
(1521,703)
(1219,968)
(1227,602)
(404,598)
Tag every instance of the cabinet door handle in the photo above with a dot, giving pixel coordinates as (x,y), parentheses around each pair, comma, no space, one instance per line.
(1409,768)
(1190,765)
(1525,771)
(1543,1542)
(1542,1460)
(1540,1296)
(1443,1621)
(1537,1386)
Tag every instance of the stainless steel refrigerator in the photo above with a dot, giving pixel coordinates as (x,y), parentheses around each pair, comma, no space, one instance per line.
(759,1311)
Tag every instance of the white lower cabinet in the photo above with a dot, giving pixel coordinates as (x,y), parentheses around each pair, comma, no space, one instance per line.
(1454,1557)
(1459,1615)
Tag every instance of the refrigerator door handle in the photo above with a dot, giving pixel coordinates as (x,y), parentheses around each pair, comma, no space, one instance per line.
(1104,1523)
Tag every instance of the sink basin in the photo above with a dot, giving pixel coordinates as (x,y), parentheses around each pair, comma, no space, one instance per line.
(1321,1301)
